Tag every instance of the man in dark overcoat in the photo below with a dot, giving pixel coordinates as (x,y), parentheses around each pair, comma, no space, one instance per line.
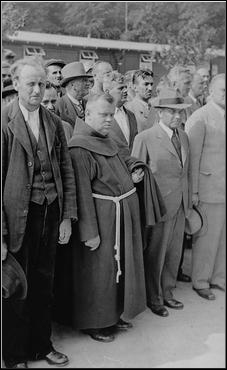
(39,202)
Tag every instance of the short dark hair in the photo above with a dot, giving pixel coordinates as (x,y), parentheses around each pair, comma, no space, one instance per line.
(93,98)
(141,73)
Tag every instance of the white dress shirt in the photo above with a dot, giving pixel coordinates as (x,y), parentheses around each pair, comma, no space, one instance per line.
(122,121)
(168,130)
(32,119)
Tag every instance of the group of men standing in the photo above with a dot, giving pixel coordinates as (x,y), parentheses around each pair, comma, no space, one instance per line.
(114,179)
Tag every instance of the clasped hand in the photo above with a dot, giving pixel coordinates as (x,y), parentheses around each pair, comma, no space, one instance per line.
(137,175)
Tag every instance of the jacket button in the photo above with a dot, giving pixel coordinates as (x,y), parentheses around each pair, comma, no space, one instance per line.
(25,211)
(29,164)
(29,186)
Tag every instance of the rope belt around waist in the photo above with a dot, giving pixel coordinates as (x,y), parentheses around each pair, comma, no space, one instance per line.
(116,200)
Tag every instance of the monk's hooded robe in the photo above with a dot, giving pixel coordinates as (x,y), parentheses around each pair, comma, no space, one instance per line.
(98,300)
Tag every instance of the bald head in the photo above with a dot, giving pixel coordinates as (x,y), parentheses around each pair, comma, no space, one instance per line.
(217,89)
(197,85)
(102,71)
(204,73)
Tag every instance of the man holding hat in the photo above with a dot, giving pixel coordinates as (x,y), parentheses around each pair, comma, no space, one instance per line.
(75,81)
(165,148)
(54,76)
(206,133)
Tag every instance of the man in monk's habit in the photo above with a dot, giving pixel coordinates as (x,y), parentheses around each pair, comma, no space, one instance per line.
(108,273)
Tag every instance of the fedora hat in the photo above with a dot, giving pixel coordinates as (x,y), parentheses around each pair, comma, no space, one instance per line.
(55,62)
(169,98)
(14,281)
(196,221)
(72,71)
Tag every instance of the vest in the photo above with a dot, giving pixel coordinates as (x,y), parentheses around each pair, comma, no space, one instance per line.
(43,186)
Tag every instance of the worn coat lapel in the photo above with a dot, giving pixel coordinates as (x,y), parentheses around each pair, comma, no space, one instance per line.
(18,127)
(118,131)
(49,127)
(165,141)
(184,146)
(70,110)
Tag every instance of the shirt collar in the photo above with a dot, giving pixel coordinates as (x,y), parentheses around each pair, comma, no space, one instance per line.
(166,129)
(119,109)
(27,113)
(220,109)
(192,96)
(75,101)
(142,102)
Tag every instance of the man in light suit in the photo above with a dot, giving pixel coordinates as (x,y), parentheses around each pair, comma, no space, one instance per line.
(165,148)
(75,81)
(124,127)
(142,82)
(206,132)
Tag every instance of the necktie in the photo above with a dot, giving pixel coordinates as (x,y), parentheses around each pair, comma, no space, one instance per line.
(80,111)
(176,144)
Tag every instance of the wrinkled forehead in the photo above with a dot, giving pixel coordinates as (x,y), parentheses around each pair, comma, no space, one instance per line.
(54,68)
(32,72)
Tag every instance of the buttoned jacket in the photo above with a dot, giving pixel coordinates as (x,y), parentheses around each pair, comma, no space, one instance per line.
(67,110)
(155,148)
(18,169)
(206,133)
(145,116)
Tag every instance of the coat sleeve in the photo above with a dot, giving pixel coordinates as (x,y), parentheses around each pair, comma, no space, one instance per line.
(4,173)
(84,173)
(68,178)
(195,128)
(139,149)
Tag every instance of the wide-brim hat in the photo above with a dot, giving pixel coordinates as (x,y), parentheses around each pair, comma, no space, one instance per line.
(196,221)
(53,62)
(169,98)
(72,71)
(14,282)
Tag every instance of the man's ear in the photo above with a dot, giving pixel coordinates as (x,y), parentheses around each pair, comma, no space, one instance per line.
(16,84)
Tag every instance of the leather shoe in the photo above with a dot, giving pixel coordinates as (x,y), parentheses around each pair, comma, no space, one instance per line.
(205,293)
(184,278)
(216,286)
(56,358)
(102,335)
(159,310)
(123,325)
(173,303)
(19,365)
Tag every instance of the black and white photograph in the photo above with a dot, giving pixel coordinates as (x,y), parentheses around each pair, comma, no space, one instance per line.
(113,184)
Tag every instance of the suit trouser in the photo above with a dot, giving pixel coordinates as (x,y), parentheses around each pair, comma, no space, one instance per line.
(162,257)
(208,250)
(26,323)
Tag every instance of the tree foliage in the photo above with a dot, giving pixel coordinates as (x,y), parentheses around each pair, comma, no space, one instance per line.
(189,28)
(13,18)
